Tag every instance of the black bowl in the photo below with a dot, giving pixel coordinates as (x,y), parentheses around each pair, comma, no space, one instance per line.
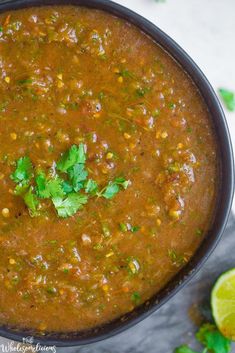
(224,199)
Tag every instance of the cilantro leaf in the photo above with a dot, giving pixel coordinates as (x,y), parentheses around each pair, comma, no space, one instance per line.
(135,229)
(68,206)
(122,182)
(77,176)
(228,98)
(91,186)
(31,202)
(135,297)
(123,227)
(67,187)
(24,170)
(210,337)
(21,189)
(111,190)
(41,185)
(76,154)
(54,187)
(184,349)
(49,188)
(113,187)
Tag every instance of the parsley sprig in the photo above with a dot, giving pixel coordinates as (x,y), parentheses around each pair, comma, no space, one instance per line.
(68,187)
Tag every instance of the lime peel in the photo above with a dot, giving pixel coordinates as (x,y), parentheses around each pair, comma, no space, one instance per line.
(223,303)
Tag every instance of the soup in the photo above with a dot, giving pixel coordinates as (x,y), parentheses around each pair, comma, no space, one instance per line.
(109,168)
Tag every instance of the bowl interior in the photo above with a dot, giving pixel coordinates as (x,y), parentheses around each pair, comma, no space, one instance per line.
(225,193)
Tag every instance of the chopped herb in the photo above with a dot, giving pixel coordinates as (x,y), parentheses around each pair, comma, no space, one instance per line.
(214,341)
(122,182)
(142,91)
(101,95)
(126,73)
(3,106)
(106,230)
(156,113)
(210,337)
(98,246)
(189,130)
(199,232)
(113,188)
(184,349)
(21,189)
(24,170)
(51,290)
(133,265)
(176,259)
(67,187)
(123,227)
(25,81)
(41,185)
(135,229)
(135,297)
(31,202)
(76,154)
(1,29)
(69,205)
(53,242)
(172,105)
(62,192)
(49,188)
(174,167)
(91,186)
(77,175)
(228,98)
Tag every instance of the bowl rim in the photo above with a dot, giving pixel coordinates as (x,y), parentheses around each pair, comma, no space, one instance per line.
(226,188)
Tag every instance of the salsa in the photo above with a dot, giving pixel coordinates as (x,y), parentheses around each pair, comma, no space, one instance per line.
(108,168)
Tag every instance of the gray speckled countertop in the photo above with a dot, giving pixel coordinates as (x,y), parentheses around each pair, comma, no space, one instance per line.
(206,30)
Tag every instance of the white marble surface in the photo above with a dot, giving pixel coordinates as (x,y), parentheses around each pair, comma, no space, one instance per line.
(206,30)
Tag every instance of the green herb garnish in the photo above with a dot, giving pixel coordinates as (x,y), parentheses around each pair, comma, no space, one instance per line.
(25,81)
(123,227)
(228,98)
(135,297)
(177,259)
(91,186)
(113,188)
(31,201)
(77,175)
(105,229)
(69,205)
(214,341)
(210,337)
(184,349)
(135,229)
(141,92)
(68,188)
(24,171)
(76,154)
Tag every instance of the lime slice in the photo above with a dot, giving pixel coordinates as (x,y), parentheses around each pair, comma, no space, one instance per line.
(223,303)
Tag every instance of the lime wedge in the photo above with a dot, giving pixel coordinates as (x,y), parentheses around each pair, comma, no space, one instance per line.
(223,303)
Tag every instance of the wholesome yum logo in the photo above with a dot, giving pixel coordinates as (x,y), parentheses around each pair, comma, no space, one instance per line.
(27,346)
